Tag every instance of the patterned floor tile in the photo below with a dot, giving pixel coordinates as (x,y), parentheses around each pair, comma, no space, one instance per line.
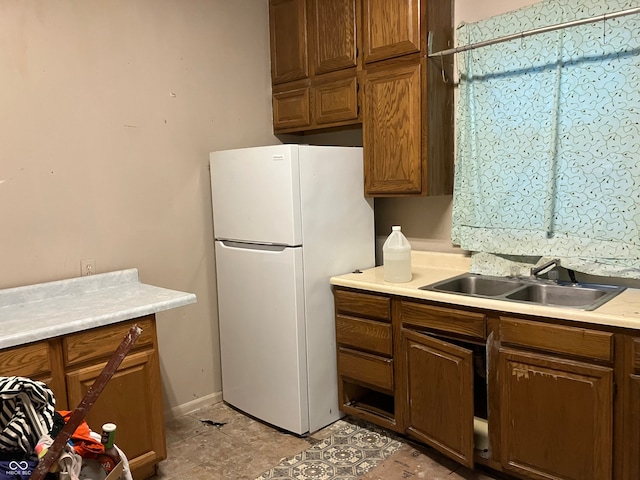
(350,452)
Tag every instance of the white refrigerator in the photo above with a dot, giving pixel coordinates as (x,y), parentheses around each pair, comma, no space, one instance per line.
(286,218)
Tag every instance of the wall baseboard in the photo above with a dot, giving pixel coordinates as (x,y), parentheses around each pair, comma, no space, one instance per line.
(192,406)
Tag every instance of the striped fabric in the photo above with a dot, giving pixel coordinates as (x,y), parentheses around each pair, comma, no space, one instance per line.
(16,432)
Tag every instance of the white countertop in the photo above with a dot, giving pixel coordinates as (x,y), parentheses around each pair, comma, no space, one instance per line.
(430,267)
(47,310)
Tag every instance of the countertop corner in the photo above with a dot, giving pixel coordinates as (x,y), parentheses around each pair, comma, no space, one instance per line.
(37,312)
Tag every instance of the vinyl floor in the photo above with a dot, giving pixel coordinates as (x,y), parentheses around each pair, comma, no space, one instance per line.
(221,443)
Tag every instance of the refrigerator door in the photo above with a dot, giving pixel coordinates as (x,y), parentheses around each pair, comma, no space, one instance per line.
(262,328)
(256,195)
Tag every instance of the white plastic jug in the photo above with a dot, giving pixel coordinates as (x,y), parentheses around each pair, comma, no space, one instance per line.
(396,257)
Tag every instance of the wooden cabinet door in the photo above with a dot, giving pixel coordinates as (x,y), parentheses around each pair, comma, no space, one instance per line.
(556,417)
(391,28)
(335,100)
(333,27)
(288,36)
(632,445)
(132,401)
(291,109)
(392,130)
(440,392)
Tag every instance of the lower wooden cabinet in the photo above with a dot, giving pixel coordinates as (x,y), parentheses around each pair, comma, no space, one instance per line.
(556,417)
(533,398)
(132,399)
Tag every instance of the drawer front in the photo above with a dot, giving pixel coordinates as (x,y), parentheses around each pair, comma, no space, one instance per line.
(364,334)
(363,304)
(102,342)
(636,353)
(366,368)
(26,361)
(448,320)
(574,341)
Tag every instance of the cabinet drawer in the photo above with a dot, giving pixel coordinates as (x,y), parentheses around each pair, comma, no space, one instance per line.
(363,304)
(102,342)
(562,339)
(26,361)
(365,368)
(364,334)
(448,320)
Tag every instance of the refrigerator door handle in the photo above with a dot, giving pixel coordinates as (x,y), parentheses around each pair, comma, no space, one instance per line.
(270,247)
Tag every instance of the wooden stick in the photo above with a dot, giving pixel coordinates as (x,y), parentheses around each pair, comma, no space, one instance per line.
(85,405)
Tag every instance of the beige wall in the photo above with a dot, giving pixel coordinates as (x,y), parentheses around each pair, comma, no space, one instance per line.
(109,111)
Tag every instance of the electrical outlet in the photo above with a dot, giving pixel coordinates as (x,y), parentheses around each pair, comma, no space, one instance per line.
(87,266)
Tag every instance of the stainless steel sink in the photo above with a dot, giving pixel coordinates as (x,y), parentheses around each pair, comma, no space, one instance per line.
(483,286)
(580,296)
(575,296)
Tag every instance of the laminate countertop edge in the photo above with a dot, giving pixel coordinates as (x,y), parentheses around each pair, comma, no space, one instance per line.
(46,310)
(622,311)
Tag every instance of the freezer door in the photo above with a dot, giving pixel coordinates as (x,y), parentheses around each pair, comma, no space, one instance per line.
(256,195)
(262,332)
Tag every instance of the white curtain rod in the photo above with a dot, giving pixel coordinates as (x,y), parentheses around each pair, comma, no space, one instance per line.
(528,33)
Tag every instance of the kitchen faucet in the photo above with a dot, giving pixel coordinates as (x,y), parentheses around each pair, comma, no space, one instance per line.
(536,270)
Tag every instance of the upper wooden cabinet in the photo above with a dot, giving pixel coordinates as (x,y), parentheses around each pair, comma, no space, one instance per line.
(407,99)
(391,28)
(314,64)
(288,32)
(403,99)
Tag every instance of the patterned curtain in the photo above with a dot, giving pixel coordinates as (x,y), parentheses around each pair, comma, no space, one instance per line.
(548,139)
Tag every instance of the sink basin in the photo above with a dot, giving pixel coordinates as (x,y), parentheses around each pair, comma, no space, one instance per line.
(580,296)
(470,284)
